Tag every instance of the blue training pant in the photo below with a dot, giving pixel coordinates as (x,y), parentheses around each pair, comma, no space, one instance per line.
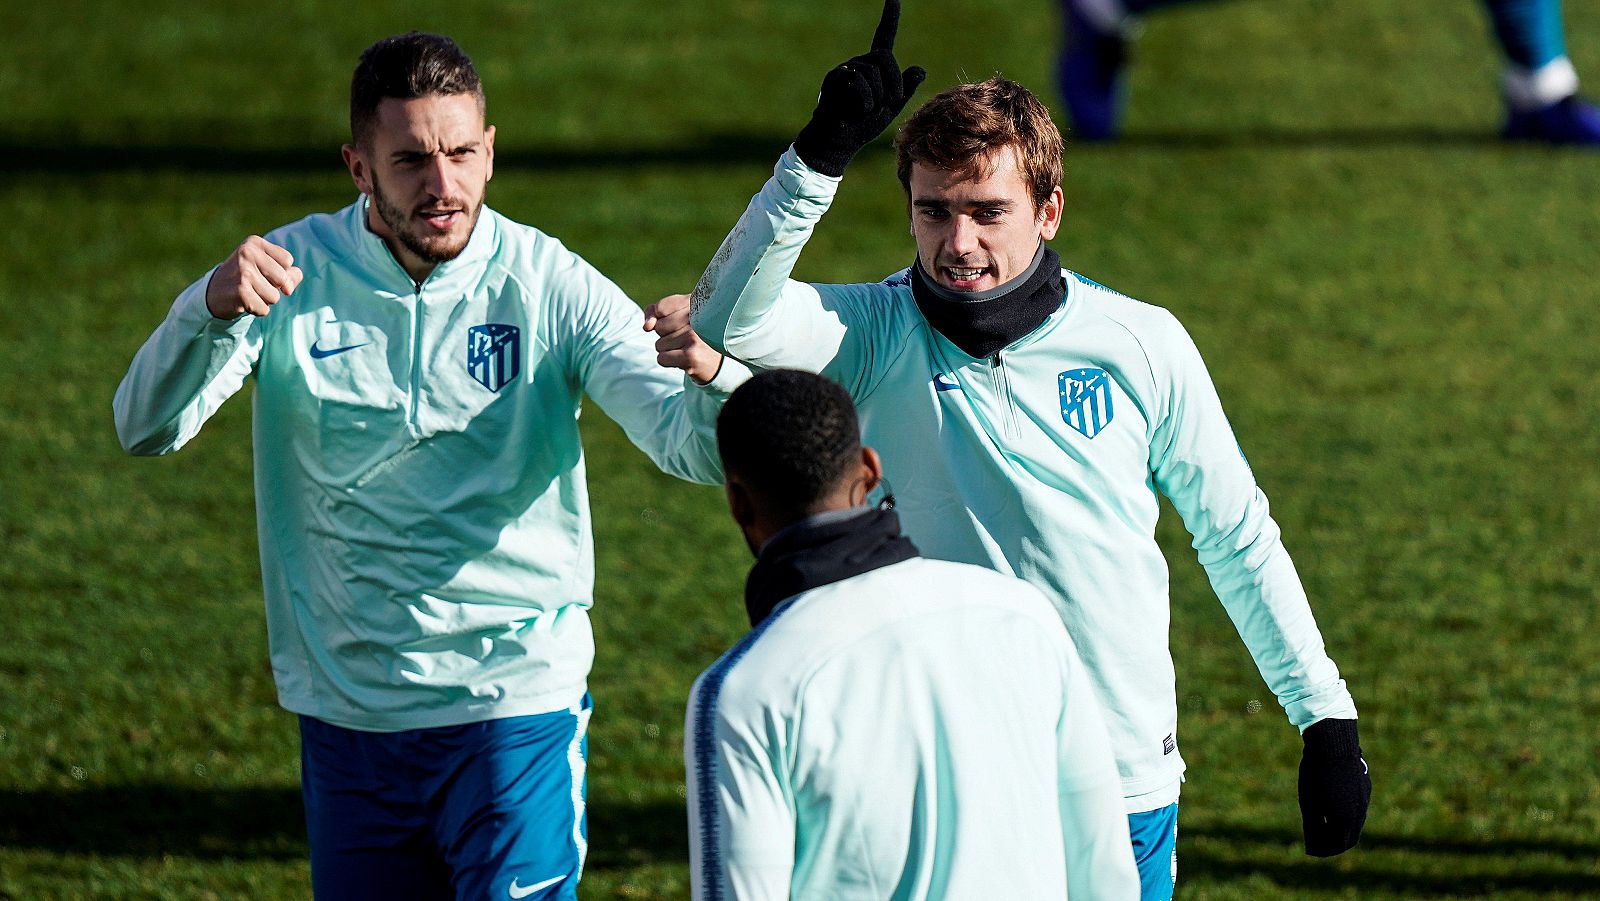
(480,810)
(1155,849)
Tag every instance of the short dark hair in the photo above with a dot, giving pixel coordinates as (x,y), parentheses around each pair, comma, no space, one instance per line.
(408,66)
(958,130)
(790,437)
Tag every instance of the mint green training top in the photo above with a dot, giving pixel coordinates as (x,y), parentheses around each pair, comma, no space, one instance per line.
(1042,461)
(920,732)
(423,518)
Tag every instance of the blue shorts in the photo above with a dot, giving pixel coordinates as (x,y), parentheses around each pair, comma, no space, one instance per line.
(1155,849)
(482,810)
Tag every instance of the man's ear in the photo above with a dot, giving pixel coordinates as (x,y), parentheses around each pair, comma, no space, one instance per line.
(488,148)
(740,504)
(360,172)
(867,478)
(1050,214)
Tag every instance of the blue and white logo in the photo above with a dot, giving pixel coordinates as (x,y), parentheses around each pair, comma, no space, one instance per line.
(494,354)
(1086,400)
(942,382)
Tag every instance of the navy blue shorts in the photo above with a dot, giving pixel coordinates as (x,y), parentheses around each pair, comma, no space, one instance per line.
(483,810)
(1155,849)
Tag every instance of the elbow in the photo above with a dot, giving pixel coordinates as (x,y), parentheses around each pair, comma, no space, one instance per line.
(140,442)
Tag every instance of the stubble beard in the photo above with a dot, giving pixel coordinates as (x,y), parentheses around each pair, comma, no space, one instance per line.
(429,248)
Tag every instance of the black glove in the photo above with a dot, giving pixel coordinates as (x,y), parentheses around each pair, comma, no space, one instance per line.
(1334,787)
(859,99)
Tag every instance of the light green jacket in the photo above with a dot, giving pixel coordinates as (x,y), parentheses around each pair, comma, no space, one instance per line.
(421,506)
(1044,461)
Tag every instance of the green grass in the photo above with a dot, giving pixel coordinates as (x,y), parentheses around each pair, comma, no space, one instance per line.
(1395,307)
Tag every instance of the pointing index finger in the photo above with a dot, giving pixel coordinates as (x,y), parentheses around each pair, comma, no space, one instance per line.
(883,38)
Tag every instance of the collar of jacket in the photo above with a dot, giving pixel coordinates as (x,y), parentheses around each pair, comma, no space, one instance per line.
(820,551)
(451,275)
(986,323)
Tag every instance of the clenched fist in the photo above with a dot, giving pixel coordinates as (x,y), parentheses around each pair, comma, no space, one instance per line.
(252,279)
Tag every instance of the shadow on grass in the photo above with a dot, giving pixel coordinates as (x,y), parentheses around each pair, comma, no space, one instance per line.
(1399,136)
(1443,867)
(268,824)
(185,152)
(187,147)
(156,820)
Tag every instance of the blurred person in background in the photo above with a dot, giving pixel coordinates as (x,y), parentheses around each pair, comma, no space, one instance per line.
(1539,85)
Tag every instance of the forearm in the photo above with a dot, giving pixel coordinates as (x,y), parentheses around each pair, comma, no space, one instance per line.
(689,440)
(188,367)
(1200,467)
(745,303)
(1257,583)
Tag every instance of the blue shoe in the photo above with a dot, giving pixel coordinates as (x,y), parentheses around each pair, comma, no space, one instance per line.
(1570,121)
(1090,76)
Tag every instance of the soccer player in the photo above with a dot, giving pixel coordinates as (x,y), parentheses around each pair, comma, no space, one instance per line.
(1032,415)
(892,726)
(1540,85)
(424,523)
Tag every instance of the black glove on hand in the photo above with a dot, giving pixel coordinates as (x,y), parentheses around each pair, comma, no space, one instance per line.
(859,99)
(1334,787)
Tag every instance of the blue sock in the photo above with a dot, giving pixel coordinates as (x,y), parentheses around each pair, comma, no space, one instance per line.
(1530,31)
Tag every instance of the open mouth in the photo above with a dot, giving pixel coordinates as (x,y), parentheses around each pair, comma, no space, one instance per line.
(443,220)
(964,276)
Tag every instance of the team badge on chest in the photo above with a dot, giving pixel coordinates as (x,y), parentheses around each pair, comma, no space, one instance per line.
(494,354)
(1086,400)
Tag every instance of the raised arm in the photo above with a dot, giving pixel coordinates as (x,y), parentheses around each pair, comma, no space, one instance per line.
(202,353)
(745,304)
(1197,463)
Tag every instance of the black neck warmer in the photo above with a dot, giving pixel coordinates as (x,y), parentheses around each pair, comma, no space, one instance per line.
(985,323)
(810,555)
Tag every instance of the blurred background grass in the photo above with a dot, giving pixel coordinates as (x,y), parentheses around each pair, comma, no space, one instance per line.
(1393,303)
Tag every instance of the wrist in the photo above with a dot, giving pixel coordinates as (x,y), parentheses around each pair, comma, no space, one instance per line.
(1332,738)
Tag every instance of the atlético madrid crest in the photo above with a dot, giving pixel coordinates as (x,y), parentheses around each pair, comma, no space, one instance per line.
(494,354)
(1086,400)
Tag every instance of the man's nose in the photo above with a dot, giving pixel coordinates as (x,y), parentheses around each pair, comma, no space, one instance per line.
(963,237)
(436,176)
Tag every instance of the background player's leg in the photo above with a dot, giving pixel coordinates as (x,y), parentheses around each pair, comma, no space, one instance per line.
(1093,56)
(367,828)
(1540,84)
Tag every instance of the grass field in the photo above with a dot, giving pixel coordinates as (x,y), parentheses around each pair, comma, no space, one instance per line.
(1392,302)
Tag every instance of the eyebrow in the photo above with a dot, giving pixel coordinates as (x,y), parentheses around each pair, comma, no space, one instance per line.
(997,203)
(418,154)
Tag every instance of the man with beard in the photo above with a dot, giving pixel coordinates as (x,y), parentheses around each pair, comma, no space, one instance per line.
(1031,416)
(424,524)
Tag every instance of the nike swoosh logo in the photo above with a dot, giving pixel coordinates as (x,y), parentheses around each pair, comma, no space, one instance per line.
(517,891)
(944,382)
(318,353)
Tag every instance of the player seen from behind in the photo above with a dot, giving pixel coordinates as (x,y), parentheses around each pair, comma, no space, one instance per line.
(892,726)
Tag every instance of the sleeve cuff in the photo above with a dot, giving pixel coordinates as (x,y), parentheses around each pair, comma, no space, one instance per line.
(730,376)
(191,310)
(803,181)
